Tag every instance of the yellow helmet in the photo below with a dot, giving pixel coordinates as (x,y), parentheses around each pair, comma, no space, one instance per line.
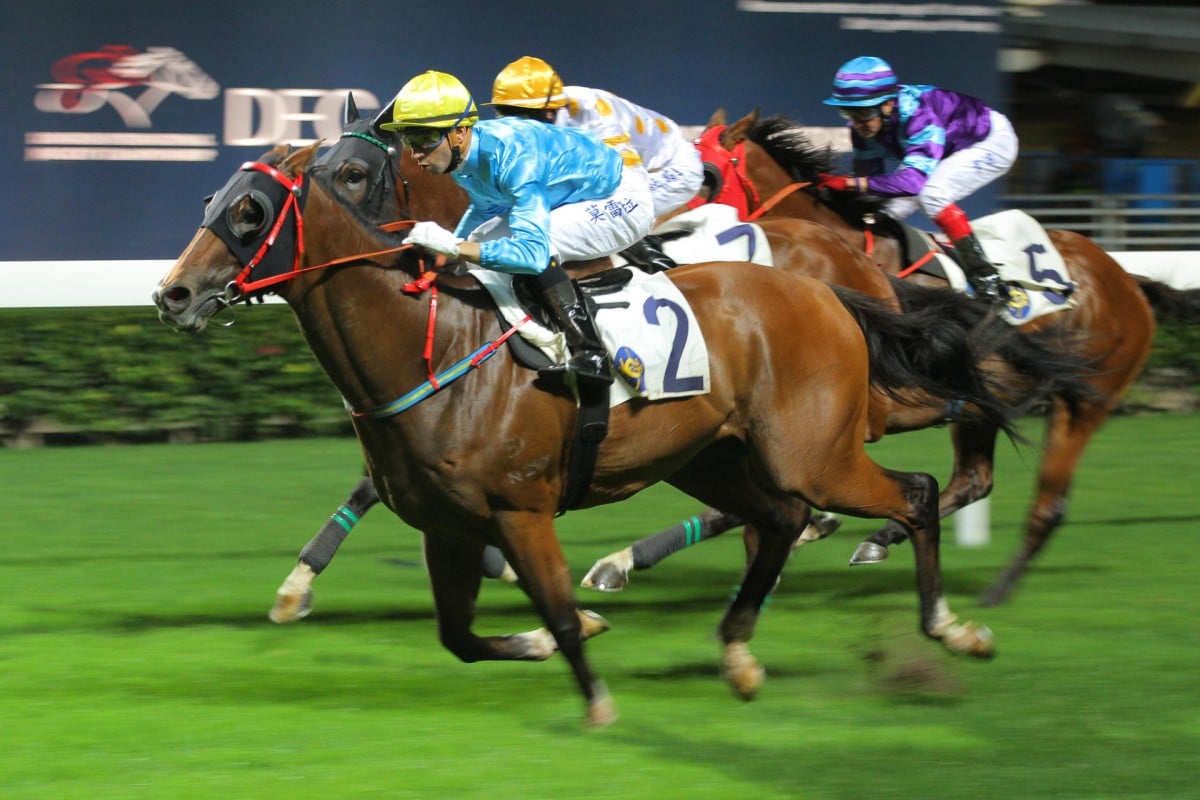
(528,82)
(432,100)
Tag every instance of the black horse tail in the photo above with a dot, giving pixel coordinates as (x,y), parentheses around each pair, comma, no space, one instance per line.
(1170,304)
(1042,364)
(927,352)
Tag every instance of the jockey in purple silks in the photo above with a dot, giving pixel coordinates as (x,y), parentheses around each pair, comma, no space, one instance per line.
(942,145)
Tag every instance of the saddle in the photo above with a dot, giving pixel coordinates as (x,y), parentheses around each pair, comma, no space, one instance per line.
(528,298)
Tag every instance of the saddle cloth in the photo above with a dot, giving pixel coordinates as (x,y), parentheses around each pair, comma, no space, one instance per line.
(647,326)
(1037,276)
(713,232)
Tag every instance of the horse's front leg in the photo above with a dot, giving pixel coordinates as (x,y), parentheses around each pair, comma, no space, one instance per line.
(293,599)
(533,551)
(611,573)
(971,480)
(455,574)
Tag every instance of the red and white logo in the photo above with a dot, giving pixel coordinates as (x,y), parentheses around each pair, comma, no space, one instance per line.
(133,84)
(86,82)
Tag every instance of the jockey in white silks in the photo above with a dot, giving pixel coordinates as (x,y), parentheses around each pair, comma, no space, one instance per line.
(529,87)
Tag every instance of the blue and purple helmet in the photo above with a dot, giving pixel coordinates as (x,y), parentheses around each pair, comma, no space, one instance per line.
(863,81)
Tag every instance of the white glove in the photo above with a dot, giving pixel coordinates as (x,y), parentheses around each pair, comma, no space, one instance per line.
(433,237)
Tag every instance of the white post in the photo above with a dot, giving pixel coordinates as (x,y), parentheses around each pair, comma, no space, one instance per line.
(972,524)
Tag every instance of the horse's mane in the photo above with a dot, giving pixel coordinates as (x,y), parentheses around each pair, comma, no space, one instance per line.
(786,142)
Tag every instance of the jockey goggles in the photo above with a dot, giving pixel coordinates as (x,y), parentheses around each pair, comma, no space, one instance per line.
(424,140)
(865,114)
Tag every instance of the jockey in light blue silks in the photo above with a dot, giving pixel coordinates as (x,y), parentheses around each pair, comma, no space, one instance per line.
(540,195)
(947,145)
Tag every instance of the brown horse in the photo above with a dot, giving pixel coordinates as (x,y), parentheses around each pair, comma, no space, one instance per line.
(1112,326)
(483,461)
(365,171)
(384,182)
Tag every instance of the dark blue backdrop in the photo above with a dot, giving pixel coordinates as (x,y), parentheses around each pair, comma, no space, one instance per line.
(681,57)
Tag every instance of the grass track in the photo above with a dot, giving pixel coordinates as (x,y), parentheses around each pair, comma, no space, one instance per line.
(136,660)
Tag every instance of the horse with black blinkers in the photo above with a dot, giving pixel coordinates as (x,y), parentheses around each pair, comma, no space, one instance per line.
(482,460)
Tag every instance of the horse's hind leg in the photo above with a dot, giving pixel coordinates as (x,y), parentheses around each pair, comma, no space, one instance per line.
(971,479)
(848,481)
(778,522)
(1066,439)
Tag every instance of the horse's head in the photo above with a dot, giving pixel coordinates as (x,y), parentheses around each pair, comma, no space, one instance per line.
(768,155)
(249,239)
(371,173)
(724,170)
(363,168)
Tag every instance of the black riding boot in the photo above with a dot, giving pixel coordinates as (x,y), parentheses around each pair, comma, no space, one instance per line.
(647,254)
(589,360)
(982,276)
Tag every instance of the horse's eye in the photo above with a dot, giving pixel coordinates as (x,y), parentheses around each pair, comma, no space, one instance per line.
(250,215)
(353,173)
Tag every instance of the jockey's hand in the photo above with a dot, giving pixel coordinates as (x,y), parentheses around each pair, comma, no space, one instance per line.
(837,183)
(434,238)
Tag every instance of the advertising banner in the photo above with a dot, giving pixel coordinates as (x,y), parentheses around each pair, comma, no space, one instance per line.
(120,117)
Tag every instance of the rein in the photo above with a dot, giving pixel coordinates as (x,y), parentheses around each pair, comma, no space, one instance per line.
(425,282)
(775,198)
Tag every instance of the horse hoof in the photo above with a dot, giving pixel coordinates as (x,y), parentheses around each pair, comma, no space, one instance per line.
(601,712)
(592,624)
(868,553)
(742,671)
(605,577)
(970,639)
(291,607)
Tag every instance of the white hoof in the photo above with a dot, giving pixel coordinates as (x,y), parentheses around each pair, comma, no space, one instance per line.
(291,607)
(741,670)
(868,553)
(611,573)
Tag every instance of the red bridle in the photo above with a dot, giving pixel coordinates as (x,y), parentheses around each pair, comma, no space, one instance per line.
(291,205)
(736,188)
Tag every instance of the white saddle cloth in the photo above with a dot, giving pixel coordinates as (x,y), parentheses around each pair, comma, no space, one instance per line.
(1037,277)
(657,348)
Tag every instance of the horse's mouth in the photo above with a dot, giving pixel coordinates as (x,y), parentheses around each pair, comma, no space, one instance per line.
(194,317)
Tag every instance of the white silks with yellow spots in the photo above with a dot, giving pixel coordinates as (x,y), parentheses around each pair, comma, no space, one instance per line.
(640,136)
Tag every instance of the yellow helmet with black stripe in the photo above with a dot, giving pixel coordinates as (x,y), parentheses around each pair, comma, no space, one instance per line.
(432,100)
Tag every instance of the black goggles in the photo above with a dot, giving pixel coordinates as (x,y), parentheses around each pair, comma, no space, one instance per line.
(861,114)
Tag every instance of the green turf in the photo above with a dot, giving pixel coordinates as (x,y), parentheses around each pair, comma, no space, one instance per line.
(136,660)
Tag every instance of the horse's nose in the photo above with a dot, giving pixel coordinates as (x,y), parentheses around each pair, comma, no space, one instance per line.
(172,299)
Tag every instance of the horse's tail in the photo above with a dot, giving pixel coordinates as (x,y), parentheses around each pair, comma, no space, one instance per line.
(1044,363)
(1171,304)
(928,352)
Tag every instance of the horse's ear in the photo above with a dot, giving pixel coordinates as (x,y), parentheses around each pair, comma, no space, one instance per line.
(349,110)
(736,133)
(275,155)
(298,161)
(717,118)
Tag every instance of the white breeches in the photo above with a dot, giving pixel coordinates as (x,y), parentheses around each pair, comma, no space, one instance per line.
(961,174)
(678,181)
(592,228)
